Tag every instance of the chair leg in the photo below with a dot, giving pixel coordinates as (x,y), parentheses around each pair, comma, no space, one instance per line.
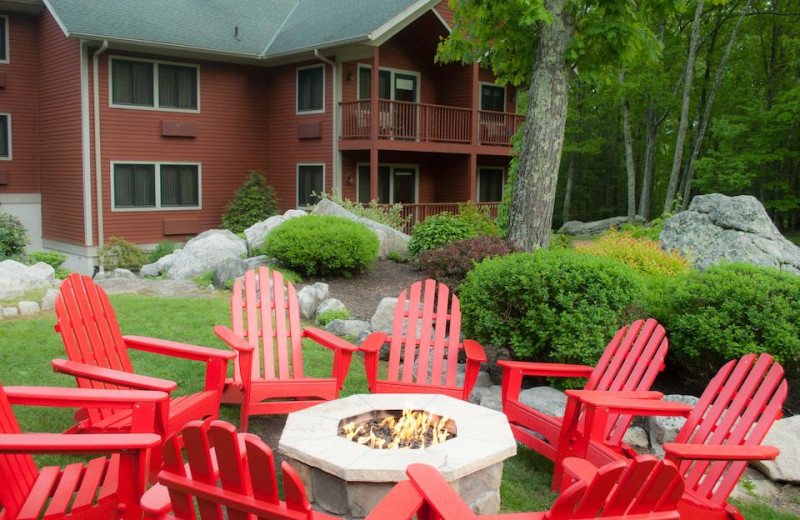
(244,415)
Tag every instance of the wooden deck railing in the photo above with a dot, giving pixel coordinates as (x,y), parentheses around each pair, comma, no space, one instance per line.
(415,213)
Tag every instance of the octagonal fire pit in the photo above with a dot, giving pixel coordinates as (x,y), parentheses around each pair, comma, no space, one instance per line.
(348,477)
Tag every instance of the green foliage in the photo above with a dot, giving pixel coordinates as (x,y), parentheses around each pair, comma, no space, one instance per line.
(451,263)
(437,231)
(642,254)
(333,314)
(322,245)
(119,253)
(253,202)
(477,217)
(205,279)
(53,258)
(388,214)
(396,257)
(548,305)
(508,189)
(162,249)
(13,236)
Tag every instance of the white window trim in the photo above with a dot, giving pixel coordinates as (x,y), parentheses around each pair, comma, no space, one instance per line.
(478,180)
(392,167)
(157,207)
(156,101)
(495,85)
(297,90)
(10,148)
(392,72)
(7,22)
(297,183)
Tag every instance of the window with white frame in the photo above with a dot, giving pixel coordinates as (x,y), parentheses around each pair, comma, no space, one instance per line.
(490,184)
(311,89)
(5,136)
(310,183)
(4,39)
(150,84)
(155,186)
(493,97)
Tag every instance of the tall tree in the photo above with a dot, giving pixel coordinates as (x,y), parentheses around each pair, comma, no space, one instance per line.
(630,167)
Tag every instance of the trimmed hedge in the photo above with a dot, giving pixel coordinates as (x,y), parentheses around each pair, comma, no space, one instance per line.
(451,263)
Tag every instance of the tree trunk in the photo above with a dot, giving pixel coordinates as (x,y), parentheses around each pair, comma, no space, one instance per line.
(684,120)
(568,189)
(531,214)
(651,134)
(629,165)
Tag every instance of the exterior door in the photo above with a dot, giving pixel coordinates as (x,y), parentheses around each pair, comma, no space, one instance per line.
(405,185)
(405,115)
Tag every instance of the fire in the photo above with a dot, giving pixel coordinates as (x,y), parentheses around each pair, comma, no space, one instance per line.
(413,429)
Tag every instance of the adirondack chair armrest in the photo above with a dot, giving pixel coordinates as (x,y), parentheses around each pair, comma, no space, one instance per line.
(546,369)
(646,407)
(328,340)
(579,469)
(616,394)
(108,375)
(438,493)
(374,342)
(80,397)
(474,351)
(232,340)
(724,452)
(175,349)
(401,503)
(68,443)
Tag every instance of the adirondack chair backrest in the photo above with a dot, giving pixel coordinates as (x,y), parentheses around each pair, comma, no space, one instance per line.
(738,407)
(433,329)
(641,486)
(264,311)
(17,472)
(250,478)
(631,361)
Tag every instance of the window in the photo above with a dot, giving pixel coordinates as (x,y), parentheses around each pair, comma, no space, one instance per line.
(310,183)
(139,83)
(3,39)
(311,89)
(490,184)
(493,97)
(5,136)
(396,184)
(142,186)
(365,83)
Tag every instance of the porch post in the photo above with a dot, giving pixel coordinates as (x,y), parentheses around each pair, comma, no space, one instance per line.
(473,177)
(474,105)
(374,112)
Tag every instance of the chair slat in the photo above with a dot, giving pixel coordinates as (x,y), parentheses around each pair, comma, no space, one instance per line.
(232,475)
(62,496)
(281,346)
(39,494)
(295,332)
(611,379)
(253,331)
(426,332)
(410,348)
(396,349)
(440,334)
(198,454)
(454,343)
(17,471)
(92,476)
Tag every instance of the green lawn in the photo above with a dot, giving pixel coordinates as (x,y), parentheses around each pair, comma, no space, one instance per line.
(28,345)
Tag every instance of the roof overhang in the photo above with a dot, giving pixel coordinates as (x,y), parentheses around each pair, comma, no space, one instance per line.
(22,6)
(402,20)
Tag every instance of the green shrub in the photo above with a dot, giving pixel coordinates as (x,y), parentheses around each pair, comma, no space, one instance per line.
(205,279)
(162,249)
(451,263)
(322,245)
(119,253)
(333,314)
(727,311)
(253,202)
(388,214)
(548,305)
(13,236)
(53,258)
(642,254)
(437,231)
(651,230)
(396,257)
(477,217)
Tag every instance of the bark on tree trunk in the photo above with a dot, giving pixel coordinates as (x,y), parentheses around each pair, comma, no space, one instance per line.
(651,134)
(684,120)
(531,213)
(629,164)
(568,189)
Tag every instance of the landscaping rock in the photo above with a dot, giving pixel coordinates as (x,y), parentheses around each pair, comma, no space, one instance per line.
(204,252)
(784,436)
(665,429)
(754,485)
(49,300)
(394,240)
(233,268)
(27,308)
(545,399)
(116,273)
(331,304)
(257,233)
(16,279)
(383,318)
(491,397)
(361,337)
(151,270)
(637,438)
(717,228)
(10,312)
(309,298)
(352,328)
(483,381)
(578,228)
(294,213)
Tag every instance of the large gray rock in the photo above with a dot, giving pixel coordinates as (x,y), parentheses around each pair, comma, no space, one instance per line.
(151,270)
(545,399)
(491,397)
(161,265)
(578,228)
(49,300)
(393,240)
(204,252)
(27,308)
(637,438)
(719,228)
(9,312)
(233,268)
(352,328)
(383,318)
(257,233)
(309,298)
(116,273)
(294,213)
(16,279)
(331,304)
(665,429)
(784,435)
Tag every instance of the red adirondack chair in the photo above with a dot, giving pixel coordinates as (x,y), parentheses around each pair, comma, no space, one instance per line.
(642,489)
(266,332)
(723,431)
(105,487)
(629,363)
(432,320)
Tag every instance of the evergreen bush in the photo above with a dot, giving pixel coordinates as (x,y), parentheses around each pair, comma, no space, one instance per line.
(253,202)
(13,236)
(322,245)
(451,263)
(119,253)
(437,231)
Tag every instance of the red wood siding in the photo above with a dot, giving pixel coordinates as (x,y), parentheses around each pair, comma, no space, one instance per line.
(60,134)
(230,141)
(445,12)
(20,98)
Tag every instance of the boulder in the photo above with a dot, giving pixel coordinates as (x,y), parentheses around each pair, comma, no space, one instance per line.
(637,438)
(752,485)
(204,252)
(9,312)
(16,279)
(578,228)
(257,233)
(483,381)
(491,397)
(784,436)
(309,298)
(116,273)
(331,304)
(233,268)
(151,270)
(294,213)
(393,240)
(28,308)
(361,337)
(166,261)
(545,399)
(665,429)
(352,328)
(383,318)
(49,300)
(717,228)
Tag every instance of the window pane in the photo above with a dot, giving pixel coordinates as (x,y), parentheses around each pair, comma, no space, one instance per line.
(309,89)
(384,173)
(177,87)
(4,148)
(491,188)
(3,32)
(364,83)
(493,98)
(179,185)
(310,180)
(132,82)
(363,184)
(134,185)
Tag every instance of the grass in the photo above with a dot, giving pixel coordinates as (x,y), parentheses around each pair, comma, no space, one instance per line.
(28,345)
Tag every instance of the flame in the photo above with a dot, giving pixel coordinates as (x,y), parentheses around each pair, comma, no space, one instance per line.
(405,432)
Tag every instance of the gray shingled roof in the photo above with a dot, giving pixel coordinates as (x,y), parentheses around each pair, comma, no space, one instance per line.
(265,27)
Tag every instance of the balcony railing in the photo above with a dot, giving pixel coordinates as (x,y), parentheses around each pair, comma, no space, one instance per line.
(415,213)
(405,121)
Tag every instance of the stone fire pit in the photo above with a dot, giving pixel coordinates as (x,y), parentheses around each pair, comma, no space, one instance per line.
(345,478)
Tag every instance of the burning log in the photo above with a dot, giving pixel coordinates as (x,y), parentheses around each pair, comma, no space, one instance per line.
(413,429)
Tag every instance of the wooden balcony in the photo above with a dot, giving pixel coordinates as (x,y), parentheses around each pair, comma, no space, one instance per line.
(418,122)
(415,213)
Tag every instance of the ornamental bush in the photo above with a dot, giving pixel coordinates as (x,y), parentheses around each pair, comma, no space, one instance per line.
(549,305)
(477,217)
(451,263)
(253,202)
(53,258)
(162,249)
(322,245)
(13,236)
(640,253)
(437,231)
(117,252)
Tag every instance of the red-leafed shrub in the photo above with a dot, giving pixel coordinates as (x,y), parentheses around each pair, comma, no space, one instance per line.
(451,263)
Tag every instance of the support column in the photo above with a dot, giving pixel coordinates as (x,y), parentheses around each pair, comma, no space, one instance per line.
(374,112)
(473,177)
(475,95)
